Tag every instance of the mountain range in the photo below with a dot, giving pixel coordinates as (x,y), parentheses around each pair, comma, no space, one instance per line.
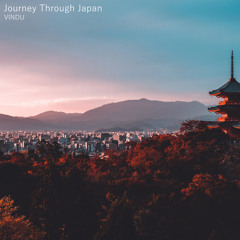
(130,114)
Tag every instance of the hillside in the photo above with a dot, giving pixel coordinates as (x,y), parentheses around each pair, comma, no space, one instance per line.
(143,113)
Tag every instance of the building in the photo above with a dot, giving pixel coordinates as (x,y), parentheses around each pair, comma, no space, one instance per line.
(45,137)
(229,107)
(104,136)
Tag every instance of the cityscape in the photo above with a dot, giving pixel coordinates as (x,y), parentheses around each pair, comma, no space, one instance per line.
(75,143)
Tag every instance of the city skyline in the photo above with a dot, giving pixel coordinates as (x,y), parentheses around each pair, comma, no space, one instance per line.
(166,51)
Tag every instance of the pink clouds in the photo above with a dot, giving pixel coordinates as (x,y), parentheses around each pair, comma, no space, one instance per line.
(33,84)
(33,81)
(65,105)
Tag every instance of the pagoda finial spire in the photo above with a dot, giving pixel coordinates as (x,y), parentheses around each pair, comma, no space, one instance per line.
(232,66)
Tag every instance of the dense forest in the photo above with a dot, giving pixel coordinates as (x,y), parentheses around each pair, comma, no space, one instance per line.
(180,186)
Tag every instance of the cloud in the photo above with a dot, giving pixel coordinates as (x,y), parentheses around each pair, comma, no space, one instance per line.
(31,108)
(165,50)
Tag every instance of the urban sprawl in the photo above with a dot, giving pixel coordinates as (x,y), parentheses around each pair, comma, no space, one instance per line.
(92,143)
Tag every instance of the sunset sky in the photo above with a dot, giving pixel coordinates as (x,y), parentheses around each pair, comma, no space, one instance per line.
(160,50)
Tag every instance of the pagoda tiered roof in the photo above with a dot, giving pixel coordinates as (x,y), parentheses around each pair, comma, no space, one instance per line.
(232,86)
(225,124)
(237,125)
(224,108)
(230,106)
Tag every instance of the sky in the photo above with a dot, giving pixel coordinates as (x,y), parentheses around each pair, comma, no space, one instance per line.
(160,50)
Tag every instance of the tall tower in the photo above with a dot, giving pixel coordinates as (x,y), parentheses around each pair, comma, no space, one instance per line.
(229,107)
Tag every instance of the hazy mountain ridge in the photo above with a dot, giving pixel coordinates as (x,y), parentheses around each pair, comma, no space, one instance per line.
(146,109)
(53,115)
(130,114)
(9,123)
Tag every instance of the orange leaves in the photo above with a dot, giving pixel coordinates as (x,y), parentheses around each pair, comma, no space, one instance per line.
(150,153)
(62,160)
(14,226)
(193,126)
(17,157)
(205,184)
(110,197)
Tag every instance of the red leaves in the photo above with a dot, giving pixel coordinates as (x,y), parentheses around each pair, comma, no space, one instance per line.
(17,157)
(205,184)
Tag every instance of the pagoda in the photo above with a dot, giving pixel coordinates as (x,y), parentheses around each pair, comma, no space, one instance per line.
(229,107)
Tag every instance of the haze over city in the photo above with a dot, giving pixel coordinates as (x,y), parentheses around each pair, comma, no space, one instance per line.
(160,50)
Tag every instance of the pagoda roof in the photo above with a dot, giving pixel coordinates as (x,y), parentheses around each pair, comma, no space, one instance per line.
(213,124)
(221,124)
(224,108)
(232,86)
(224,124)
(236,125)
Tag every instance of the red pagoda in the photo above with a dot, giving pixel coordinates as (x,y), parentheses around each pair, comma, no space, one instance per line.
(229,108)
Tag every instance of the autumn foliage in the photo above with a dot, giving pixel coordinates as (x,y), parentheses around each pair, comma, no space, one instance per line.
(170,187)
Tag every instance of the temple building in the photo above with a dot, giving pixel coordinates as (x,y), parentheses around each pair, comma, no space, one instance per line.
(229,107)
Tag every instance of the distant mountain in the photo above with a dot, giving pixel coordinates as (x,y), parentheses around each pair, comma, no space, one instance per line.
(130,114)
(143,109)
(49,115)
(56,116)
(8,123)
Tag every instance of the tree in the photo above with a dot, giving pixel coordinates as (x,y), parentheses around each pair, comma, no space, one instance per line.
(52,152)
(15,227)
(193,126)
(79,207)
(119,223)
(46,206)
